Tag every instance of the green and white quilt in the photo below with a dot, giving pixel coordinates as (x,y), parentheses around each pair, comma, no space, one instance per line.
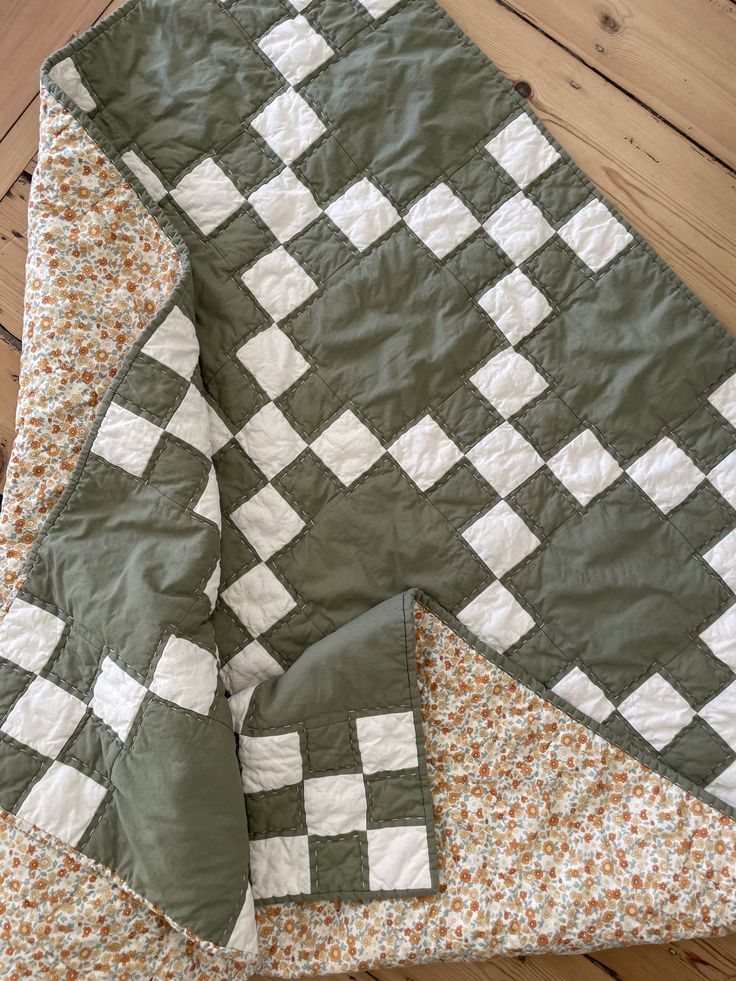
(408,364)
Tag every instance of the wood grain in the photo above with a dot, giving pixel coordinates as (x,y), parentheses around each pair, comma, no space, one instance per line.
(677,56)
(32,30)
(680,199)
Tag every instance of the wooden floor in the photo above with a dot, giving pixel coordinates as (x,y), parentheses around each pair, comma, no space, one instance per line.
(642,93)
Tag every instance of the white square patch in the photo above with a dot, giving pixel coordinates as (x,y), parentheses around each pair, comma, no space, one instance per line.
(270,762)
(720,714)
(63,802)
(295,48)
(425,452)
(723,478)
(335,805)
(284,205)
(126,440)
(522,150)
(509,382)
(595,235)
(145,175)
(249,667)
(270,440)
(258,599)
(273,361)
(722,558)
(720,637)
(519,227)
(387,742)
(724,785)
(279,866)
(666,474)
(174,343)
(577,689)
(116,697)
(515,305)
(504,458)
(724,399)
(44,717)
(398,858)
(207,195)
(656,711)
(267,521)
(584,467)
(347,447)
(501,538)
(186,674)
(289,125)
(362,213)
(66,75)
(496,617)
(191,421)
(279,283)
(29,635)
(441,220)
(377,8)
(207,504)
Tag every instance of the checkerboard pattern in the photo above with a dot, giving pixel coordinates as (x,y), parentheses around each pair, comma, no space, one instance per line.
(428,354)
(337,808)
(503,447)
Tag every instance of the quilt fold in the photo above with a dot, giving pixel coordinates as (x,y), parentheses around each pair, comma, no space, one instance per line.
(370,531)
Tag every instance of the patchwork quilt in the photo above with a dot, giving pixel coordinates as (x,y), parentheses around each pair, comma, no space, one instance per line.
(370,532)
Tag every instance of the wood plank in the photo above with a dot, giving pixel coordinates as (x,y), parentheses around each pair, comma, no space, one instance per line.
(678,197)
(12,283)
(18,146)
(676,56)
(540,967)
(9,371)
(14,212)
(691,960)
(32,30)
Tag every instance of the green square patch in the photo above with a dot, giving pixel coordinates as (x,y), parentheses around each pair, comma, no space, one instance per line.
(151,390)
(559,192)
(699,673)
(321,249)
(276,812)
(331,748)
(705,437)
(13,682)
(20,769)
(547,423)
(541,658)
(481,185)
(236,394)
(94,748)
(339,864)
(337,20)
(76,663)
(544,503)
(394,797)
(462,496)
(242,240)
(478,264)
(237,554)
(309,404)
(703,517)
(256,16)
(237,477)
(230,635)
(289,638)
(556,270)
(698,753)
(467,417)
(178,472)
(308,484)
(327,169)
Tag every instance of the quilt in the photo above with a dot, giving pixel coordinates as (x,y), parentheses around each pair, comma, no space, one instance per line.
(370,531)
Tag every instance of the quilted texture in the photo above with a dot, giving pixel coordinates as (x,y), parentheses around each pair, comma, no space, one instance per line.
(406,350)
